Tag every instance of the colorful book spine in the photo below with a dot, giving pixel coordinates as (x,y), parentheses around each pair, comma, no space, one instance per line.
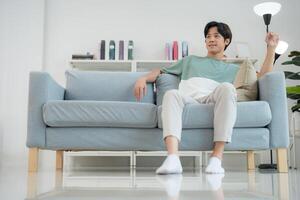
(130,50)
(121,50)
(175,50)
(102,50)
(112,50)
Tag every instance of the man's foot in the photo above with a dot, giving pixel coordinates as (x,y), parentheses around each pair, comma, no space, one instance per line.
(171,165)
(171,183)
(214,166)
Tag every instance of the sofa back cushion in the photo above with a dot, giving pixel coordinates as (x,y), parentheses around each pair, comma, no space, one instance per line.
(104,86)
(246,82)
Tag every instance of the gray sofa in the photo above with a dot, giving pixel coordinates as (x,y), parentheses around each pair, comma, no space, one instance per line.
(98,111)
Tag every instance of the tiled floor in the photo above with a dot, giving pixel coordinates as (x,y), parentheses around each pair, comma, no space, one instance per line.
(122,183)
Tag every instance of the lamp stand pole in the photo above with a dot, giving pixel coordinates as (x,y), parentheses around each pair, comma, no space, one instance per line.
(269,167)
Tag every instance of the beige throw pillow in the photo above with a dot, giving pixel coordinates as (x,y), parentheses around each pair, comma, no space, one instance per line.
(246,82)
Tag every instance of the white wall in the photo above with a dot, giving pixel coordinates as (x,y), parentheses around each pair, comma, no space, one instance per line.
(21,45)
(77,26)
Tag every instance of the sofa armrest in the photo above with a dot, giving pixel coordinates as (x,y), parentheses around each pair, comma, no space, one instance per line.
(42,88)
(272,89)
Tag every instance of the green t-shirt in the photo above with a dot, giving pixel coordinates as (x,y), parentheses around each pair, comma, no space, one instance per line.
(203,67)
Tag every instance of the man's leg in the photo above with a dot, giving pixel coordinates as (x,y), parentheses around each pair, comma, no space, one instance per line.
(224,97)
(172,145)
(172,107)
(218,149)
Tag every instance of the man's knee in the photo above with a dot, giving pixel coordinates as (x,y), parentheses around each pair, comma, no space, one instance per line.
(171,94)
(227,90)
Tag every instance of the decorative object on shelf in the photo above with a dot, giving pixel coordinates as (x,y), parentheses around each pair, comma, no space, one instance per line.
(267,10)
(168,51)
(293,92)
(102,50)
(112,50)
(171,51)
(185,49)
(121,50)
(175,50)
(86,56)
(130,50)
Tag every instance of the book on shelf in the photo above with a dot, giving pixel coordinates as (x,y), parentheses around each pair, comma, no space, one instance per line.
(86,56)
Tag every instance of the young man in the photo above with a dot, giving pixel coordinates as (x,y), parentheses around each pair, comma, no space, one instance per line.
(203,80)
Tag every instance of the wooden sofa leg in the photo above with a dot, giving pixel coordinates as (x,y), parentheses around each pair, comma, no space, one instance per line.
(32,185)
(250,161)
(33,159)
(282,165)
(59,159)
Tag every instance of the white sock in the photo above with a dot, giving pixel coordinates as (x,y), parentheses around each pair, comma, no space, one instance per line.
(214,166)
(171,183)
(214,181)
(171,165)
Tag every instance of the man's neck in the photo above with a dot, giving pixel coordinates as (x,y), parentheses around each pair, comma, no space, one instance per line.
(218,56)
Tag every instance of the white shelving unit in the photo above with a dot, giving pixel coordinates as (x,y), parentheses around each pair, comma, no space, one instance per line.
(119,65)
(132,65)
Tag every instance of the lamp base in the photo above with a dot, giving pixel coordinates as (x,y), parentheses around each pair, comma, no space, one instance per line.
(267,166)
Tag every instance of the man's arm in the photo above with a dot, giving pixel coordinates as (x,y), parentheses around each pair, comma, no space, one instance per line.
(152,75)
(272,41)
(140,88)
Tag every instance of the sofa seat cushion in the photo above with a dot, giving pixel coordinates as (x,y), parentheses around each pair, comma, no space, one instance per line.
(100,114)
(249,114)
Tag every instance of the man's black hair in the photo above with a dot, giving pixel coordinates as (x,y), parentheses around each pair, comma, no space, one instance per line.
(222,28)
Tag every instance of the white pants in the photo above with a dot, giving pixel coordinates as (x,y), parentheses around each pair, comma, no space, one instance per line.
(224,98)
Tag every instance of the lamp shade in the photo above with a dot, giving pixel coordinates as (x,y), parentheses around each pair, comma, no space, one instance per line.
(281,47)
(267,8)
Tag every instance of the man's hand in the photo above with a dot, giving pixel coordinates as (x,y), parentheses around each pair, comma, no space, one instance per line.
(272,40)
(140,88)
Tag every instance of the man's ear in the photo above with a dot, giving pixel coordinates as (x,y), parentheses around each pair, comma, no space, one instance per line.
(227,41)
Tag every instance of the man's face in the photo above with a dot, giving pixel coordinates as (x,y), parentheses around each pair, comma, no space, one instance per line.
(215,42)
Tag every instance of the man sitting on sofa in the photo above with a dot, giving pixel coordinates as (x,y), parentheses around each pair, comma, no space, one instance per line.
(203,80)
